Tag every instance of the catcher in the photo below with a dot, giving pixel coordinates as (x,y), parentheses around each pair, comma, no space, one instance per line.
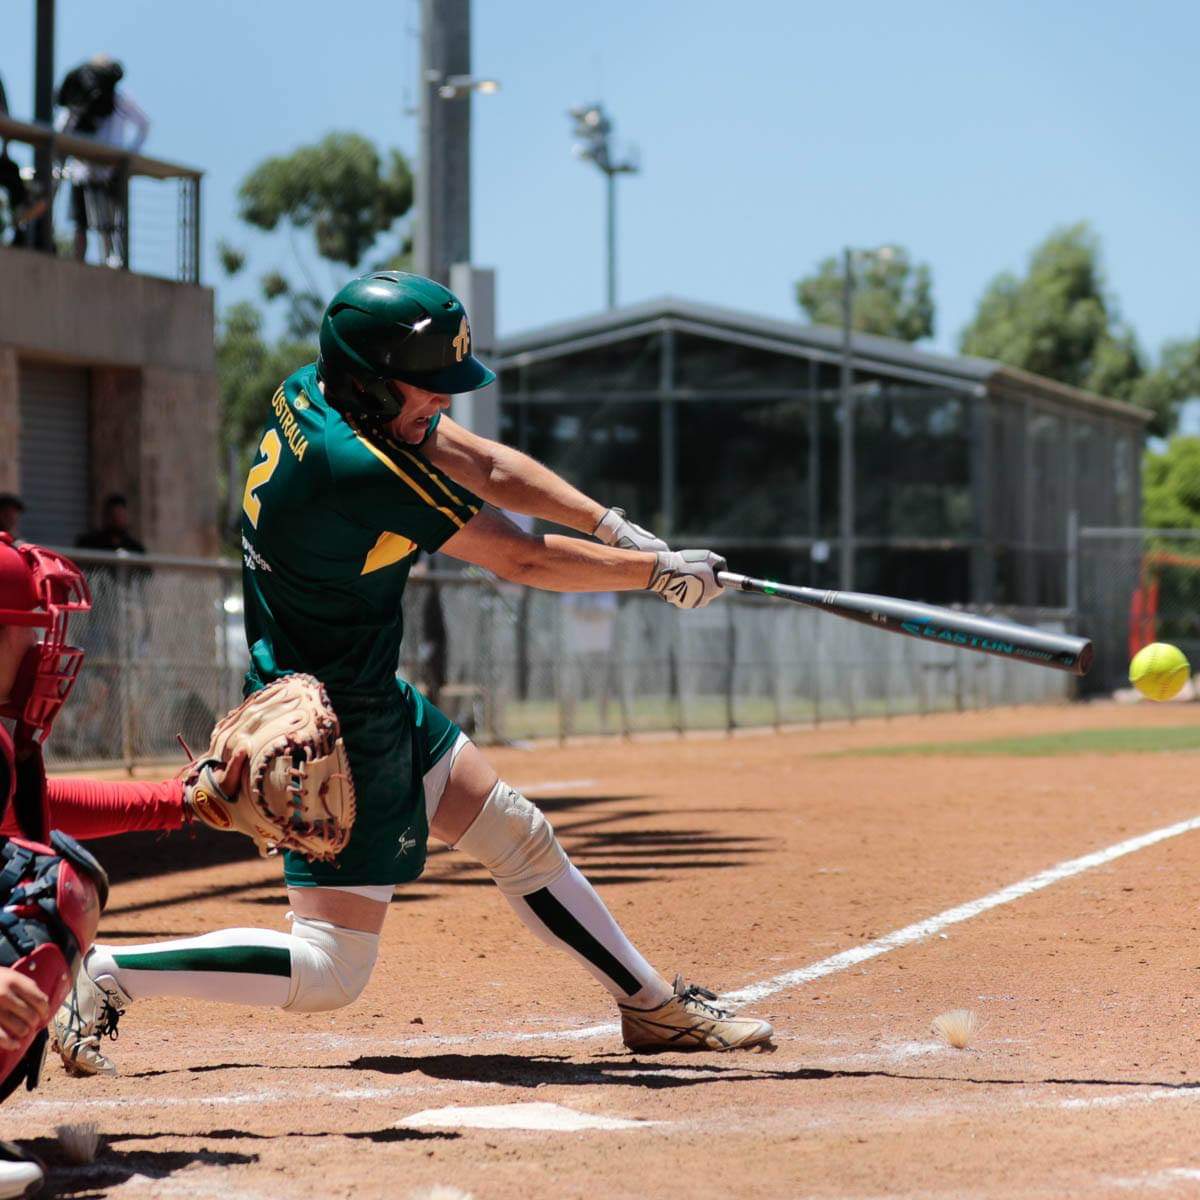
(358,468)
(51,889)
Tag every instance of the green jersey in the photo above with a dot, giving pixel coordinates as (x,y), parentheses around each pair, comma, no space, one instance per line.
(331,522)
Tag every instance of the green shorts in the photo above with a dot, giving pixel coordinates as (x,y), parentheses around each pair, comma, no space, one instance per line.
(392,744)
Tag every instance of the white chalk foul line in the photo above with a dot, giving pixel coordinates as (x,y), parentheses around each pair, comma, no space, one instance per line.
(554,785)
(952,916)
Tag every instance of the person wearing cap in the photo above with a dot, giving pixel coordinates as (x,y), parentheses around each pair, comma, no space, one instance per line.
(359,468)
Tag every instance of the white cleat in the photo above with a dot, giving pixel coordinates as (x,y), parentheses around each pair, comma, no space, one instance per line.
(691,1019)
(91,1011)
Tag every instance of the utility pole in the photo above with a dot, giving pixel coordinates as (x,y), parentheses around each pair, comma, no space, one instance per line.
(43,112)
(442,248)
(846,445)
(443,233)
(871,258)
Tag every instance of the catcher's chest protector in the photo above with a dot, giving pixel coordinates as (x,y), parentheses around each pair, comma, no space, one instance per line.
(50,902)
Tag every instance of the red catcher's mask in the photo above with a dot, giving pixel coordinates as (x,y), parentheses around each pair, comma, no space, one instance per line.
(40,588)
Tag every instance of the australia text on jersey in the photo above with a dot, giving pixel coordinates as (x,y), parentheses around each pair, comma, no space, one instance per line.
(297,442)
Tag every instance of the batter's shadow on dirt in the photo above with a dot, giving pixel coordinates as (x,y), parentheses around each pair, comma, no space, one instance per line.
(389,1133)
(609,855)
(516,1070)
(115,1167)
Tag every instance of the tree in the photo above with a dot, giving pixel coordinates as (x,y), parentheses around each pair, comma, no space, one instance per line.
(893,297)
(249,369)
(1171,486)
(346,194)
(1174,380)
(349,197)
(1058,320)
(338,188)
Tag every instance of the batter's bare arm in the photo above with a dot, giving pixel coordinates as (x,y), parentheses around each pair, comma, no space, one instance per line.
(509,479)
(685,578)
(548,561)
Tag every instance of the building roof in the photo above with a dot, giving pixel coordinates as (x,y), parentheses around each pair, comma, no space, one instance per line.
(885,356)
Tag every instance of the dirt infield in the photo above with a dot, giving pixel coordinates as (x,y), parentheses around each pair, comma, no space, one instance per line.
(738,861)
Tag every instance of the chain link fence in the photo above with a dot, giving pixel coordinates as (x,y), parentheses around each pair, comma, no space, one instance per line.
(166,651)
(1136,586)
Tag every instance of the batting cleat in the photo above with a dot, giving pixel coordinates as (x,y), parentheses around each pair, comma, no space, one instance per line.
(90,1011)
(20,1174)
(691,1019)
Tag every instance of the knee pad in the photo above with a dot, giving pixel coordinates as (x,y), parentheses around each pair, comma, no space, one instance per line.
(330,965)
(515,842)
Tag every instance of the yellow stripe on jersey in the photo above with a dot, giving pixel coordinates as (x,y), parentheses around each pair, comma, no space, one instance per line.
(391,548)
(416,487)
(430,473)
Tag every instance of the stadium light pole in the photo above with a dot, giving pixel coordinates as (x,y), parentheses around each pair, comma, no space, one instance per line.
(846,514)
(593,128)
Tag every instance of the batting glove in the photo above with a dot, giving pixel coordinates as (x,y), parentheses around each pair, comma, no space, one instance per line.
(687,578)
(615,530)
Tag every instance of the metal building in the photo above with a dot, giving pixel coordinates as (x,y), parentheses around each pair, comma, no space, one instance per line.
(721,429)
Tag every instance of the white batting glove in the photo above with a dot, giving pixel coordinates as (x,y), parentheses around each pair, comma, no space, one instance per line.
(687,578)
(615,530)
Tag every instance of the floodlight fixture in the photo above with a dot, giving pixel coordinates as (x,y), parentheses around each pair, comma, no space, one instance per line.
(459,87)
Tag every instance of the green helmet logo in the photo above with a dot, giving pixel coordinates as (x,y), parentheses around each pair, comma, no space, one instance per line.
(390,325)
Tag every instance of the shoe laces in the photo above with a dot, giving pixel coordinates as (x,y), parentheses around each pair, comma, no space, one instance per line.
(106,1022)
(693,993)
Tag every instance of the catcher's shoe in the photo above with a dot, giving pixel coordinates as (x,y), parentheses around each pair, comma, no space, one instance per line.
(690,1020)
(20,1174)
(90,1011)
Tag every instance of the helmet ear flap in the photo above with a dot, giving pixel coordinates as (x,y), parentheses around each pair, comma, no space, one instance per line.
(377,401)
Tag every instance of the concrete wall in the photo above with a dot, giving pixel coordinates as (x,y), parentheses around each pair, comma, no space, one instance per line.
(154,401)
(10,421)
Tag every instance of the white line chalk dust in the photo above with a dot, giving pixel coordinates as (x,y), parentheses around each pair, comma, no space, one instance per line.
(554,785)
(554,1117)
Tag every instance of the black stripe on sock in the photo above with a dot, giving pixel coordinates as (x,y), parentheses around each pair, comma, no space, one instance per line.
(234,960)
(566,927)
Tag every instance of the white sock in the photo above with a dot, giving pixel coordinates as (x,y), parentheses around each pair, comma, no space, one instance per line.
(238,966)
(570,916)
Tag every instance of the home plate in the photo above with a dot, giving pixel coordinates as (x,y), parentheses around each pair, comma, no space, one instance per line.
(519,1116)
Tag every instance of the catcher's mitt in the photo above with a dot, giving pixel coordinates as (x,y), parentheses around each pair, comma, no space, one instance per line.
(295,791)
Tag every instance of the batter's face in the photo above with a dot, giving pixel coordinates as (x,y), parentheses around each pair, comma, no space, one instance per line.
(420,407)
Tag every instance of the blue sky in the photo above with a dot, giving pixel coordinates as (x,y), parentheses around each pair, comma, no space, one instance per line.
(770,134)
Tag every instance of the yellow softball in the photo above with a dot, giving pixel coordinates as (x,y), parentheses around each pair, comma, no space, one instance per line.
(1159,671)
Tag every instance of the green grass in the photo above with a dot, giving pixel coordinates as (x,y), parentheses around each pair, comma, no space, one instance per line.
(648,714)
(1172,738)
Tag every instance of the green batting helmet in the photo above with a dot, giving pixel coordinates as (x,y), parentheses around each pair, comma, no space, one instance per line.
(392,325)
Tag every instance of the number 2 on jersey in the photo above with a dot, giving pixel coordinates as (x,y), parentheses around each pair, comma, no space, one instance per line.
(269,447)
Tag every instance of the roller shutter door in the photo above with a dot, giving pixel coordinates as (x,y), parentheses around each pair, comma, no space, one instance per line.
(54,454)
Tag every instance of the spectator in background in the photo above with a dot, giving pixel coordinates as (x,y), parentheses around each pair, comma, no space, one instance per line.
(11,509)
(91,105)
(113,533)
(116,628)
(10,179)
